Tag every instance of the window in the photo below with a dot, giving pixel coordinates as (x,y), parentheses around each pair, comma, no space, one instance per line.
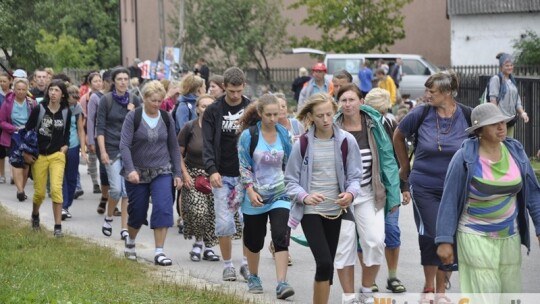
(350,65)
(413,67)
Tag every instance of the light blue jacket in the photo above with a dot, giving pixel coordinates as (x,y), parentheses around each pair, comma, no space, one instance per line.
(298,171)
(456,191)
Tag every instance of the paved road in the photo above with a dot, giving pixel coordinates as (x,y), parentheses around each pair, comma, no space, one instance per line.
(86,223)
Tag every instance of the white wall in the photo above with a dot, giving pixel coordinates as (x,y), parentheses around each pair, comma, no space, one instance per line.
(476,39)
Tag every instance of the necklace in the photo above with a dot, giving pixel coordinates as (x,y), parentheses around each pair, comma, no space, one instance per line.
(446,130)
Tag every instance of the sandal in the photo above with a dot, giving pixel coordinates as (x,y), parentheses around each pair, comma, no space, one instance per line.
(107,231)
(374,287)
(428,296)
(195,256)
(129,252)
(117,212)
(124,234)
(395,285)
(101,207)
(442,299)
(209,255)
(162,260)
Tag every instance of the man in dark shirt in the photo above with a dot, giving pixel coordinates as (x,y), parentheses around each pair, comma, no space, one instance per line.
(41,79)
(298,83)
(220,157)
(202,70)
(135,70)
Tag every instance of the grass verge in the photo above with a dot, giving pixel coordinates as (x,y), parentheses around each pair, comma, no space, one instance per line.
(37,268)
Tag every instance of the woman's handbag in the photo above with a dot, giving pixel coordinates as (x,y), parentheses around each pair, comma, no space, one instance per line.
(202,184)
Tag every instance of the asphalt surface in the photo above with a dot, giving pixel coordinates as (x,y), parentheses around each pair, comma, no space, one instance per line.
(86,224)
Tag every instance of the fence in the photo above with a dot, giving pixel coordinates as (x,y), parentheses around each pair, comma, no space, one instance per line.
(475,70)
(471,88)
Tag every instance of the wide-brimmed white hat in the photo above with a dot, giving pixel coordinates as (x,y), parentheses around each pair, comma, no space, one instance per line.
(486,114)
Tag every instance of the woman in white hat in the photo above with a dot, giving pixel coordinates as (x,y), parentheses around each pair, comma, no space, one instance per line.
(489,189)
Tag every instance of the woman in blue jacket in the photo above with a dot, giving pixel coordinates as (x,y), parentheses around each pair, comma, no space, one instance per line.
(261,173)
(489,189)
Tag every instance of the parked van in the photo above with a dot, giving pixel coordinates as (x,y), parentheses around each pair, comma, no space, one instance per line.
(415,69)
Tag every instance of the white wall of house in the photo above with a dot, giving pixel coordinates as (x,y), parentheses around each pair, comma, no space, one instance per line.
(476,39)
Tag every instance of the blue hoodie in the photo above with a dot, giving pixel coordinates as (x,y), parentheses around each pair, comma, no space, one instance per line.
(456,191)
(185,111)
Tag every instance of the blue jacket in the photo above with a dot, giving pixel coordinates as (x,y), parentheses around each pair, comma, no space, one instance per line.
(298,171)
(185,111)
(456,191)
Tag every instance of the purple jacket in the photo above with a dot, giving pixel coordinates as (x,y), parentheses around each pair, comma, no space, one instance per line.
(5,118)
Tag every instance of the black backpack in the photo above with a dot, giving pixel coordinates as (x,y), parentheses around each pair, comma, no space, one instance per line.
(138,117)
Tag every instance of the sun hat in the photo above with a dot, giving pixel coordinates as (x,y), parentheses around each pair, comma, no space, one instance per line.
(484,115)
(319,66)
(19,74)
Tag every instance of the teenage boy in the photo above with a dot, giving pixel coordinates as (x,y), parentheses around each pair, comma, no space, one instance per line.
(220,157)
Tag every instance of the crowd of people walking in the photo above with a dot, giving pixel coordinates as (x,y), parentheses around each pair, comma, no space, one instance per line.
(340,168)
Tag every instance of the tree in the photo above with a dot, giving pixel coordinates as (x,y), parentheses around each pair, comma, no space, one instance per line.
(84,19)
(353,26)
(66,51)
(244,33)
(528,48)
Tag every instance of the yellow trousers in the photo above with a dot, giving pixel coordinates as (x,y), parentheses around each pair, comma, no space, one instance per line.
(51,166)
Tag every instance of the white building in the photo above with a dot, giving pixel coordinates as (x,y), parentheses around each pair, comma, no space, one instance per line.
(482,28)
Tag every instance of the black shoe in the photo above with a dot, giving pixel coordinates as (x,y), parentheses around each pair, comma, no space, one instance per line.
(21,196)
(78,193)
(35,222)
(97,189)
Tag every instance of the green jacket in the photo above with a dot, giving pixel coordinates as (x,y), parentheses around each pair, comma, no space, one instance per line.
(385,175)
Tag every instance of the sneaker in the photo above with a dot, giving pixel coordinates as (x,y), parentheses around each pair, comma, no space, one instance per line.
(97,189)
(366,298)
(64,214)
(35,222)
(78,193)
(2,179)
(58,233)
(254,284)
(229,274)
(284,290)
(68,214)
(244,271)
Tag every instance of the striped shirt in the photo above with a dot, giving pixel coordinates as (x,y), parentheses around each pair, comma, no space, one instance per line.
(491,208)
(324,178)
(367,162)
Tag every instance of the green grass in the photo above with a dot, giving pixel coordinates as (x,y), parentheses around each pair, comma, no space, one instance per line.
(37,268)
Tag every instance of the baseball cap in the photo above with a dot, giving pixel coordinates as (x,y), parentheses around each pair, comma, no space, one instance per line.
(19,74)
(319,66)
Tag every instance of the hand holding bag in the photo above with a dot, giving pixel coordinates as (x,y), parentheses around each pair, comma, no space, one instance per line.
(202,184)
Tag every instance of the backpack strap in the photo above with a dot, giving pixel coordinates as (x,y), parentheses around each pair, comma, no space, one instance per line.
(138,117)
(254,133)
(344,148)
(419,122)
(467,112)
(40,117)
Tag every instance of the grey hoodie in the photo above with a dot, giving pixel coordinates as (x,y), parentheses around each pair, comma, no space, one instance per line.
(298,171)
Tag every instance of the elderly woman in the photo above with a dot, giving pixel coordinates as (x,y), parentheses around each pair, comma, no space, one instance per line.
(198,207)
(112,110)
(489,190)
(439,129)
(13,116)
(503,92)
(151,166)
(379,99)
(379,194)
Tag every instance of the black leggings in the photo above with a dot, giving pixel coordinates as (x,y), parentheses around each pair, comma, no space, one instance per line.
(255,230)
(322,236)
